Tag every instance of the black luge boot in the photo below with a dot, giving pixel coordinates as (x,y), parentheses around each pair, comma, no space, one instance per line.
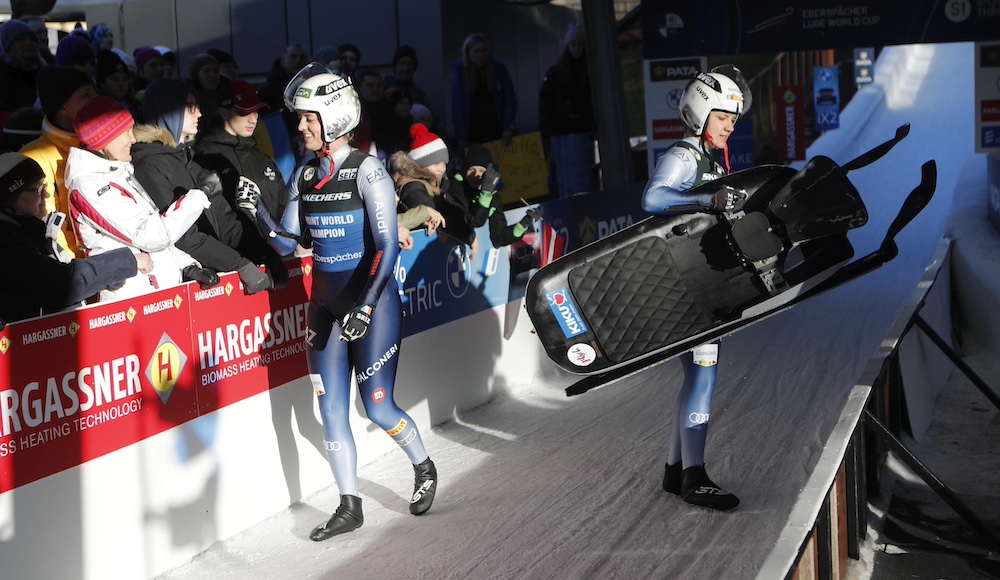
(424,486)
(672,477)
(347,518)
(699,490)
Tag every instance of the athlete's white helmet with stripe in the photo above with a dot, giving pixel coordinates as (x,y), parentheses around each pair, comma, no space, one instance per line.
(332,97)
(722,89)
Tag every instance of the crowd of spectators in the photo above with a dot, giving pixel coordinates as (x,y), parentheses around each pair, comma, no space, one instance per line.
(162,168)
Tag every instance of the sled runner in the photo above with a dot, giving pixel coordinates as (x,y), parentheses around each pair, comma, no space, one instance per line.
(668,284)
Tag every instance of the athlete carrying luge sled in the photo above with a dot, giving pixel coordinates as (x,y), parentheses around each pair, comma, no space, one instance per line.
(343,204)
(710,106)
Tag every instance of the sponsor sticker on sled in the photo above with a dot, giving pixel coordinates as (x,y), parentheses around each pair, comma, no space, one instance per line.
(581,354)
(706,355)
(565,312)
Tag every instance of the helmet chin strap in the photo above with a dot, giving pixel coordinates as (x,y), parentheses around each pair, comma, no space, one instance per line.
(707,139)
(325,152)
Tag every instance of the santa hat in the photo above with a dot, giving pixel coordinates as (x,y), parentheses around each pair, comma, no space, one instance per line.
(100,121)
(426,148)
(16,173)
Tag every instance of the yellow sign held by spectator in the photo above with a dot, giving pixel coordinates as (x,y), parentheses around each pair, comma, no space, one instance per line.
(522,167)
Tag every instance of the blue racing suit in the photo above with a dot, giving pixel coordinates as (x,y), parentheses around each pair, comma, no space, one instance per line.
(344,206)
(686,165)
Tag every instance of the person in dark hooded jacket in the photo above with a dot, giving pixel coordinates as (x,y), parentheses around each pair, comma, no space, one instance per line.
(228,147)
(165,166)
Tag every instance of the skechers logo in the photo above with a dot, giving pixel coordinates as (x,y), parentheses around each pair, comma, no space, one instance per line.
(565,312)
(326,196)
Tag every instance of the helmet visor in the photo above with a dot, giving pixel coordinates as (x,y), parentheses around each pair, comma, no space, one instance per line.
(735,75)
(292,88)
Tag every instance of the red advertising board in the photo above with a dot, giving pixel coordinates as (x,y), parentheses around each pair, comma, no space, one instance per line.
(79,385)
(243,345)
(791,134)
(668,129)
(990,111)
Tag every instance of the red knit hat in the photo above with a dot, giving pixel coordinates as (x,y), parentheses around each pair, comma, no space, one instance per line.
(100,121)
(426,148)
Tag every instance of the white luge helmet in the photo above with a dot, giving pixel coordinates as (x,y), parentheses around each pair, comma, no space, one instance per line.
(332,97)
(722,89)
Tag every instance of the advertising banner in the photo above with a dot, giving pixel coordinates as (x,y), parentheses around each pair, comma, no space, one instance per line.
(78,386)
(988,97)
(717,27)
(243,345)
(791,119)
(665,80)
(826,97)
(864,61)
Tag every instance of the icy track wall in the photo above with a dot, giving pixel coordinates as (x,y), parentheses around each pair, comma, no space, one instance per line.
(151,428)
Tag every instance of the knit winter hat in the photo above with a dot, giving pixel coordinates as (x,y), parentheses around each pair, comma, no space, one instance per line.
(97,34)
(478,156)
(74,50)
(575,33)
(422,114)
(143,54)
(22,127)
(127,58)
(325,54)
(17,172)
(222,56)
(100,121)
(56,84)
(11,31)
(108,63)
(404,50)
(426,148)
(198,62)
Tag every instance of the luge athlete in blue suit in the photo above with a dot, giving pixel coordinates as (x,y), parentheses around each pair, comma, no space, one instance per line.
(710,106)
(343,204)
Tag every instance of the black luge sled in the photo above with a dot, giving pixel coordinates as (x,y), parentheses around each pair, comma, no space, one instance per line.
(668,284)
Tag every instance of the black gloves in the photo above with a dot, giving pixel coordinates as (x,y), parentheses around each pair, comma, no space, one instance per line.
(356,323)
(208,182)
(490,179)
(205,277)
(728,199)
(533,215)
(276,269)
(253,279)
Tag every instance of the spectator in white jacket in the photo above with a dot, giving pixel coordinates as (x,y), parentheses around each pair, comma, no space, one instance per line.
(111,210)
